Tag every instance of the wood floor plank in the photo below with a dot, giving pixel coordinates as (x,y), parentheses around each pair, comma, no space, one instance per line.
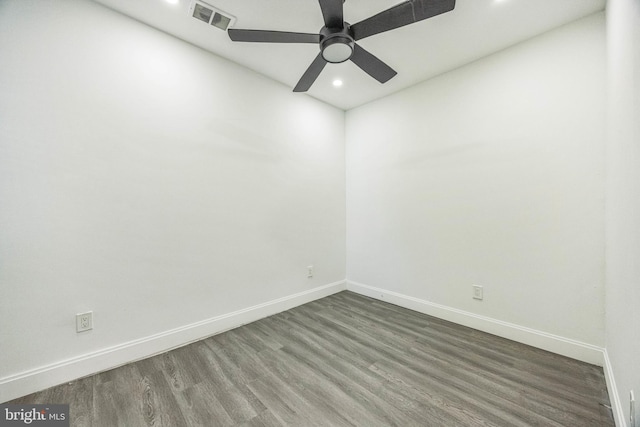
(352,367)
(159,405)
(285,403)
(77,394)
(324,395)
(200,406)
(344,360)
(119,401)
(370,393)
(264,419)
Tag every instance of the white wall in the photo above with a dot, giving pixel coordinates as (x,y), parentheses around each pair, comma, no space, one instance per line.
(623,199)
(151,182)
(491,174)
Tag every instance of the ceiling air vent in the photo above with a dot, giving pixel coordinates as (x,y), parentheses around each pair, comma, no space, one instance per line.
(211,15)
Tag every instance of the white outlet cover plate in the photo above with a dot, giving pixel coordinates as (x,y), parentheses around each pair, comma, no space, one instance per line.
(84,321)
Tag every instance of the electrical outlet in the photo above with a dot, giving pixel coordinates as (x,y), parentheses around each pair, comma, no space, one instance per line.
(84,321)
(477,292)
(310,271)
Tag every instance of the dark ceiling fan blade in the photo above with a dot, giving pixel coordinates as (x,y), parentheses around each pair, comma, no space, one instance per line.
(403,14)
(332,12)
(311,74)
(271,36)
(372,65)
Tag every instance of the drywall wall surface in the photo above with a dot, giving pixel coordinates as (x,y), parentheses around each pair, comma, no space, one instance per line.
(623,199)
(493,175)
(150,182)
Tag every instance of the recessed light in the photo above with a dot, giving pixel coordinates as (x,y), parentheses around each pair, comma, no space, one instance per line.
(337,83)
(173,1)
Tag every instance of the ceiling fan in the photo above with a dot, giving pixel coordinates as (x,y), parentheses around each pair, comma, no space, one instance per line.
(337,38)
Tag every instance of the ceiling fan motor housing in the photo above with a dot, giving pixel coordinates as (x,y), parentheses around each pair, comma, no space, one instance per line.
(336,44)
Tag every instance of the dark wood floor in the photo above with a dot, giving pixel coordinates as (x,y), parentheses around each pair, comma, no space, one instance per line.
(341,361)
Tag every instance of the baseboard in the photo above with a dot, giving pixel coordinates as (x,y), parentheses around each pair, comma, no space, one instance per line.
(41,378)
(553,343)
(612,389)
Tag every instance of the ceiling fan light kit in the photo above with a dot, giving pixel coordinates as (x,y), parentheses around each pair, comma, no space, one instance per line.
(336,46)
(337,39)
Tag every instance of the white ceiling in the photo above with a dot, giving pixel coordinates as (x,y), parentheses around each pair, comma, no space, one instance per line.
(475,28)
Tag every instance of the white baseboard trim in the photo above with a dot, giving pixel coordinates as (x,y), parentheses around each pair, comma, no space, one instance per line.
(41,378)
(612,389)
(556,344)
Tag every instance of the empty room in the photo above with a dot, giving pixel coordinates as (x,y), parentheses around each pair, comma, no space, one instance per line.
(319,212)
